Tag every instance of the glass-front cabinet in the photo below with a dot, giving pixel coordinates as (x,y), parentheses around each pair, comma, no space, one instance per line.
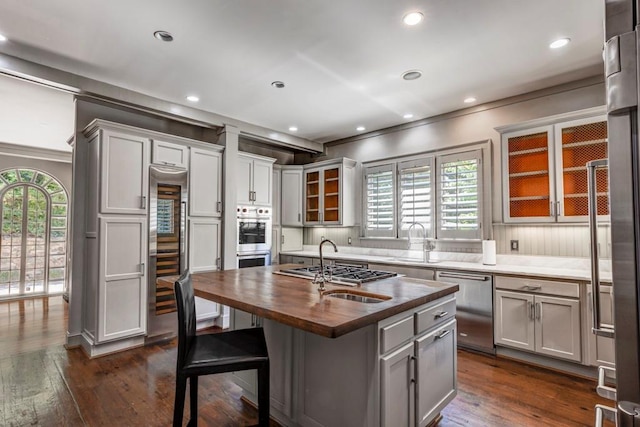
(544,171)
(329,193)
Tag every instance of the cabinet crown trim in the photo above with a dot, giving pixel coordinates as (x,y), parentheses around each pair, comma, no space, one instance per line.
(550,120)
(340,160)
(256,156)
(98,124)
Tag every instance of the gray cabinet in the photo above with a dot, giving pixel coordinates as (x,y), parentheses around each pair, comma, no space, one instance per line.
(397,383)
(205,183)
(291,205)
(170,154)
(254,180)
(538,315)
(204,244)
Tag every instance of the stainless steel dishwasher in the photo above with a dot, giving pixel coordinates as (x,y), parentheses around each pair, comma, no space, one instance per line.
(474,308)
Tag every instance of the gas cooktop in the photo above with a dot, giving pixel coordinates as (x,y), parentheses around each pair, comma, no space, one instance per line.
(341,273)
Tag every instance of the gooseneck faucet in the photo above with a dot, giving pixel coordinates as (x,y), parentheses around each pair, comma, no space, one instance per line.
(321,278)
(426,245)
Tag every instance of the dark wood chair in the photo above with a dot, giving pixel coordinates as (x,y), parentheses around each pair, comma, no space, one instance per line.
(215,353)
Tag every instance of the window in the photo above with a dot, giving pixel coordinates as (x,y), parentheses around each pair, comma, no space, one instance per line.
(380,201)
(33,244)
(415,189)
(459,202)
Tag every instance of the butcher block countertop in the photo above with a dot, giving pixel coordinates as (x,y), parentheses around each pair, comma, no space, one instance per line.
(296,302)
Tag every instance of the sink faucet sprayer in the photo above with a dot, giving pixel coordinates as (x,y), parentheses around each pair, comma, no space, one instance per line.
(427,246)
(320,278)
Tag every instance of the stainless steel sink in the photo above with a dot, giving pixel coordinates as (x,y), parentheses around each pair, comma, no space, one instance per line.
(350,295)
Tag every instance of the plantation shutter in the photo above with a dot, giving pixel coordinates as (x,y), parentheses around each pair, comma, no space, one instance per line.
(379,201)
(415,195)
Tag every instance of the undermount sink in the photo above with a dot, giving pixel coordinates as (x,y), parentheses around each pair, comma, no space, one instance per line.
(416,260)
(350,295)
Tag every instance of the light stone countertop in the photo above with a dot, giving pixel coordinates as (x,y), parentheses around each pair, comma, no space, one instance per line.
(550,267)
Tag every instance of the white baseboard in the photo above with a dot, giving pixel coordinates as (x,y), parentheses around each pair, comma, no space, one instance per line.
(96,350)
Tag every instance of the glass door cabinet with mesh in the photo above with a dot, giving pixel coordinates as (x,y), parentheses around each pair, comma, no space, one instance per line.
(544,171)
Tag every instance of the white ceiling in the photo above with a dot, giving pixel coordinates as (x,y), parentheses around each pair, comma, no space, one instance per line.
(341,61)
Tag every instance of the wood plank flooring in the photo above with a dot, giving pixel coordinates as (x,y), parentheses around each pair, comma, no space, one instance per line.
(43,384)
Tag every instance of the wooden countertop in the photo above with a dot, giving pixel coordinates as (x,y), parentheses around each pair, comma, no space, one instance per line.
(296,302)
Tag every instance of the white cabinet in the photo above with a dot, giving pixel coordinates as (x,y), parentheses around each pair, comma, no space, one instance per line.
(204,244)
(276,245)
(544,174)
(122,283)
(254,179)
(418,364)
(330,193)
(205,183)
(290,239)
(276,197)
(544,324)
(291,206)
(124,177)
(170,154)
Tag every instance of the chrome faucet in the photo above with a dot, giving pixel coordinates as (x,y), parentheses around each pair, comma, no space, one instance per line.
(427,246)
(321,278)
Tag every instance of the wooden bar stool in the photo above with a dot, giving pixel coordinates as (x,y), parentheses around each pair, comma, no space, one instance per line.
(214,353)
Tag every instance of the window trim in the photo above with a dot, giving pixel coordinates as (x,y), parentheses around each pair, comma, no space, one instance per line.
(387,167)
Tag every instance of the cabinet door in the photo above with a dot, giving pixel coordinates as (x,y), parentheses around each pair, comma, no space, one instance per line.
(277,199)
(397,388)
(247,379)
(244,178)
(205,189)
(331,196)
(292,202)
(312,197)
(601,349)
(514,325)
(124,174)
(528,181)
(276,245)
(262,182)
(578,142)
(167,153)
(558,327)
(291,239)
(204,244)
(122,306)
(436,364)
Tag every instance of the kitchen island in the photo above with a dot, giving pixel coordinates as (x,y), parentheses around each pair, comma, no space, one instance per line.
(337,362)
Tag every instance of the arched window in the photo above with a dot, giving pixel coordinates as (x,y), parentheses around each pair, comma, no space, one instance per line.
(33,246)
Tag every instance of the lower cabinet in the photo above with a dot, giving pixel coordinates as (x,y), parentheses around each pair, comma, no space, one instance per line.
(204,244)
(418,379)
(543,324)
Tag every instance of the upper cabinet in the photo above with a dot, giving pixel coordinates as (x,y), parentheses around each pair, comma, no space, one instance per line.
(254,180)
(124,166)
(205,183)
(329,193)
(169,154)
(291,205)
(544,170)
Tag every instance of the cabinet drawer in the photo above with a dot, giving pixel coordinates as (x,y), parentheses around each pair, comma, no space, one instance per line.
(395,334)
(536,286)
(439,313)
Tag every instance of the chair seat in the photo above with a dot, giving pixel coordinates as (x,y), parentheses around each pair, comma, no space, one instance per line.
(241,348)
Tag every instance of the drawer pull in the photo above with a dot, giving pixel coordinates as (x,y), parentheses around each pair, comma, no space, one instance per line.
(532,287)
(441,315)
(442,334)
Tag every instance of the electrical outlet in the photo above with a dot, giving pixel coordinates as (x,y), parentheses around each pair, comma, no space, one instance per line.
(349,240)
(515,245)
(321,238)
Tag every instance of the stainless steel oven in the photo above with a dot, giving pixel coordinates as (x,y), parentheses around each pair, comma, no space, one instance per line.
(254,230)
(254,260)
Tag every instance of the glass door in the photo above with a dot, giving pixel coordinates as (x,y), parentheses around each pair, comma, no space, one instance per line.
(312,196)
(331,200)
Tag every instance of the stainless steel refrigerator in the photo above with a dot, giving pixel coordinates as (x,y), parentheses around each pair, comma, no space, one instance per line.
(622,76)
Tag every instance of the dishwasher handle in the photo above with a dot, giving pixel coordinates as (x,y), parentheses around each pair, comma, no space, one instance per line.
(465,276)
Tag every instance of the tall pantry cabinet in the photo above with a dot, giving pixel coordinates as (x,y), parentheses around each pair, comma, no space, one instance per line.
(115,281)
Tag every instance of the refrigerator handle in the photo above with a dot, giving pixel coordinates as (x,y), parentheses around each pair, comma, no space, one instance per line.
(620,56)
(592,191)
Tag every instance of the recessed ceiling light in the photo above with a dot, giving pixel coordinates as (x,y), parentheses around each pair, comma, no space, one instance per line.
(293,129)
(3,38)
(408,116)
(412,74)
(413,18)
(469,100)
(559,43)
(164,36)
(193,98)
(277,84)
(360,128)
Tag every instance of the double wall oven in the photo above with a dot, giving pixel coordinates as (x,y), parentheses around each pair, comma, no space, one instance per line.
(254,236)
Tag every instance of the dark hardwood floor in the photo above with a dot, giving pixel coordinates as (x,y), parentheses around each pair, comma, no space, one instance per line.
(43,384)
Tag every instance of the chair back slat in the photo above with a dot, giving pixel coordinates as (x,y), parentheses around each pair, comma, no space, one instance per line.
(186,305)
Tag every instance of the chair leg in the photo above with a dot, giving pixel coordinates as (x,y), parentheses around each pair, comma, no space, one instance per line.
(263,396)
(193,399)
(178,406)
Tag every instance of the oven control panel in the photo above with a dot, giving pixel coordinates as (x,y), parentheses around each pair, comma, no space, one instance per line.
(253,212)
